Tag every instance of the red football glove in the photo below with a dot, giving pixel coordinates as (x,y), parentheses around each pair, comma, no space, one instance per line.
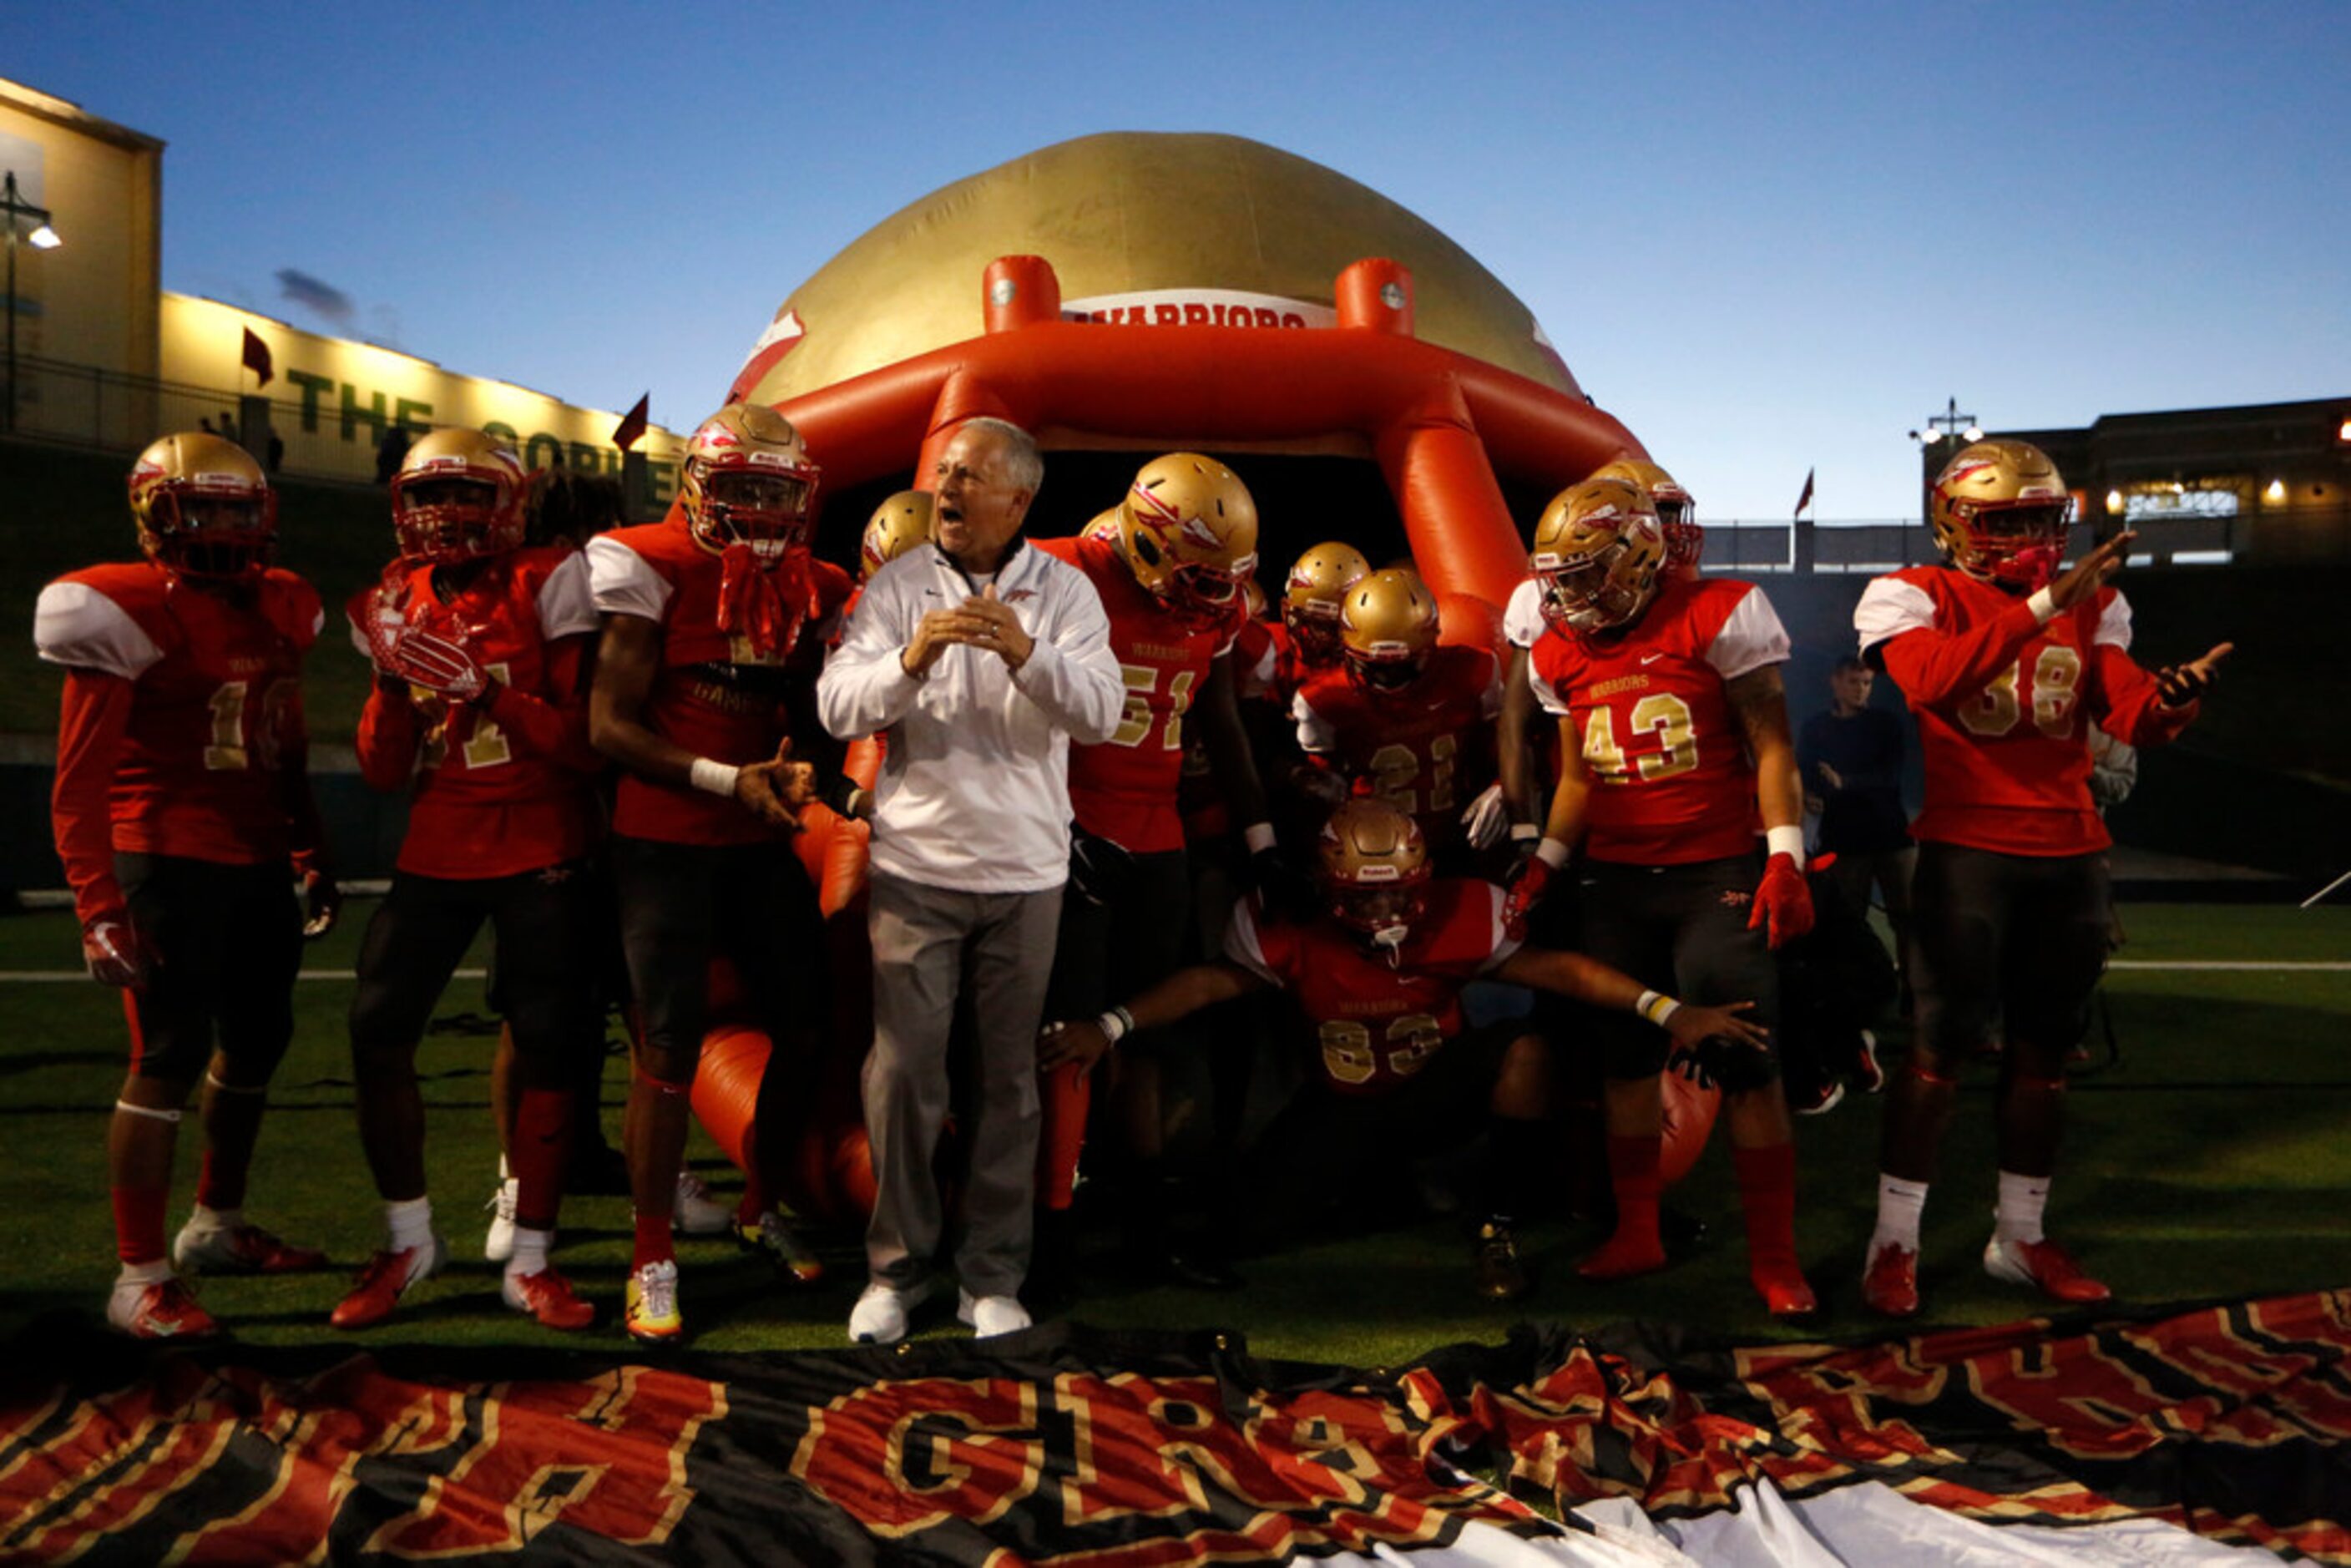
(1528,885)
(110,946)
(439,664)
(1783,901)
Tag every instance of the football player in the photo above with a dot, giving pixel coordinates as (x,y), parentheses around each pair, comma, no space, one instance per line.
(1672,727)
(1377,973)
(2007,663)
(478,712)
(1406,720)
(1181,544)
(900,523)
(182,813)
(715,621)
(1307,639)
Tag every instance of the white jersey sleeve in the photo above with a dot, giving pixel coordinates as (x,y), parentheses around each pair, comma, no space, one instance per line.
(567,599)
(1242,944)
(1751,638)
(75,625)
(2113,623)
(1554,700)
(1890,607)
(1502,943)
(1316,737)
(624,582)
(1523,622)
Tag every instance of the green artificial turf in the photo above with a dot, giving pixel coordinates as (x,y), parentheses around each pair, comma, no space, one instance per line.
(2211,1161)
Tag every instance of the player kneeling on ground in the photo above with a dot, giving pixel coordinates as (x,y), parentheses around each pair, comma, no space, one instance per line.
(182,812)
(1377,973)
(2006,663)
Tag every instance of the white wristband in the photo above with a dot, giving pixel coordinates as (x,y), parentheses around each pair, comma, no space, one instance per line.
(1115,1024)
(1788,841)
(1258,836)
(1657,1007)
(2043,605)
(1521,832)
(1552,852)
(713,778)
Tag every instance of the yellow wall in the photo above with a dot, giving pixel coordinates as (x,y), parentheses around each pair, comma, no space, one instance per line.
(93,301)
(332,400)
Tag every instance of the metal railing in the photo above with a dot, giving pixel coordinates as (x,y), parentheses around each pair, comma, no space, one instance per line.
(88,405)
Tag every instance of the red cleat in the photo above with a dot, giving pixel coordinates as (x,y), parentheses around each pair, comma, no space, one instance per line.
(1622,1256)
(166,1309)
(384,1281)
(240,1250)
(1890,1284)
(2046,1267)
(548,1297)
(1784,1289)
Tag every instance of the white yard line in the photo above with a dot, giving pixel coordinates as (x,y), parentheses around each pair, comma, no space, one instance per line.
(2319,965)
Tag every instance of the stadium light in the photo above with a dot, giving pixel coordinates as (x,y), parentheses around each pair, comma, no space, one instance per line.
(1949,425)
(43,237)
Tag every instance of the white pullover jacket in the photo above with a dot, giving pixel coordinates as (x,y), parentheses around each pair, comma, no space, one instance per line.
(975,787)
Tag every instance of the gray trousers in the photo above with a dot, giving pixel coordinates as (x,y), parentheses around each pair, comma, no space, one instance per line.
(932,945)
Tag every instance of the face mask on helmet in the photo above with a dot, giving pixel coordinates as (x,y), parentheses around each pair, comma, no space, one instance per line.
(1589,598)
(2016,547)
(1598,551)
(1685,540)
(1382,914)
(763,507)
(448,519)
(202,508)
(1998,512)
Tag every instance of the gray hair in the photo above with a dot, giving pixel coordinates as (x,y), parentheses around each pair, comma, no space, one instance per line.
(1024,465)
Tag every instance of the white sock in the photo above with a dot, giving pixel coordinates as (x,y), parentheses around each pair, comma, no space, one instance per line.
(1899,1205)
(152,1272)
(215,1218)
(2022,1199)
(505,1173)
(530,1253)
(411,1221)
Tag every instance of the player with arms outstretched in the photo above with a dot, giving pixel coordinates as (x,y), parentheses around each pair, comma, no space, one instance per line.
(2006,663)
(1672,727)
(1377,973)
(182,813)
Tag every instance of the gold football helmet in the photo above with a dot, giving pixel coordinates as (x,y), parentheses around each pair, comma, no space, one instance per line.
(1372,864)
(459,495)
(1387,627)
(1104,528)
(748,480)
(897,525)
(1676,509)
(1598,549)
(1999,512)
(1188,531)
(1318,580)
(204,506)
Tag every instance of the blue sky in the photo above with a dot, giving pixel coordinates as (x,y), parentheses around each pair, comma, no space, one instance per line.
(1769,238)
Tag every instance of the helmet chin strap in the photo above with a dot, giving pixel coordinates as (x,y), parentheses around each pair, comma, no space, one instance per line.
(1390,939)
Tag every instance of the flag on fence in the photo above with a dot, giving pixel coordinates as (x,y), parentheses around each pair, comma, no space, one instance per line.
(2178,1436)
(257,356)
(1806,498)
(633,425)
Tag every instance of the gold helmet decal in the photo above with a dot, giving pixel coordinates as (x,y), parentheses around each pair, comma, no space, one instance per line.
(459,493)
(1188,531)
(1598,549)
(1676,509)
(897,525)
(748,480)
(1387,626)
(1999,512)
(203,506)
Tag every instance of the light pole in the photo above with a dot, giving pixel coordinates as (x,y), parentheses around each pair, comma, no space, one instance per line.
(1948,425)
(43,237)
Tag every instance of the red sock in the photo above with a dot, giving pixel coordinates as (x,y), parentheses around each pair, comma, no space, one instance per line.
(541,1153)
(232,1127)
(1767,1193)
(657,1243)
(1066,1096)
(138,1222)
(1636,1248)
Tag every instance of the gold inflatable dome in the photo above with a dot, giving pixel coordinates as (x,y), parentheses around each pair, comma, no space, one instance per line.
(1136,220)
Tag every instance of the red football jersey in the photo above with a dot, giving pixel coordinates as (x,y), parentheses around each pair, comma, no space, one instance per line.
(1375,1023)
(1426,748)
(501,786)
(716,695)
(2003,706)
(1672,782)
(215,710)
(1124,789)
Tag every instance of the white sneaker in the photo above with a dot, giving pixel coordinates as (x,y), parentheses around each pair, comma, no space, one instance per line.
(497,1245)
(697,1213)
(991,1315)
(882,1310)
